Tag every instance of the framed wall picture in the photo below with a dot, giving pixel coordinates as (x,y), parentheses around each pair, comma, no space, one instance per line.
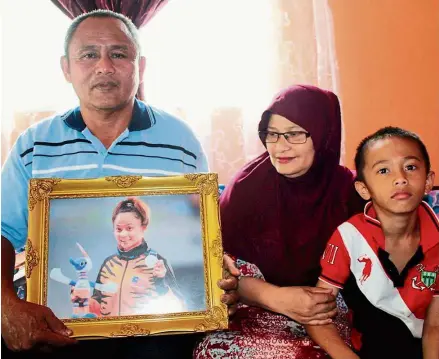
(432,199)
(127,255)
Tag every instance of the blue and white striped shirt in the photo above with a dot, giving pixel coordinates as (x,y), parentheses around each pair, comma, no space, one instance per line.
(154,144)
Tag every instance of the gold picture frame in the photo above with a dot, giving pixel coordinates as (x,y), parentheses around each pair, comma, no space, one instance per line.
(42,194)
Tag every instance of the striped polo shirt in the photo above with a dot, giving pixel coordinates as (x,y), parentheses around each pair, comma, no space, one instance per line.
(388,307)
(154,144)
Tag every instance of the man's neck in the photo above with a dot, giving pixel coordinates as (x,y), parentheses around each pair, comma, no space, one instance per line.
(107,125)
(399,227)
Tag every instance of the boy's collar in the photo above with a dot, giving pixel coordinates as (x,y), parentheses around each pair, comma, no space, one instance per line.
(429,225)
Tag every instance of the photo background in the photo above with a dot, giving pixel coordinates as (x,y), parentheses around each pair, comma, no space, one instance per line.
(174,232)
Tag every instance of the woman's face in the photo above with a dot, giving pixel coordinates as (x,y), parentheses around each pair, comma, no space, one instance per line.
(290,159)
(128,230)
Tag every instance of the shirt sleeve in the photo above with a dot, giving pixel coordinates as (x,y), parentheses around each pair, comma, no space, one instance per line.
(16,174)
(335,262)
(248,269)
(202,163)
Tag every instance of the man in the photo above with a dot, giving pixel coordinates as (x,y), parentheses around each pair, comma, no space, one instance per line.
(110,133)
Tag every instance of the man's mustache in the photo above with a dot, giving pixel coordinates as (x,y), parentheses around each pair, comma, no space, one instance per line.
(105,83)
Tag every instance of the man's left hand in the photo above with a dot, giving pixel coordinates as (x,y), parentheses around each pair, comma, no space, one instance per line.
(229,284)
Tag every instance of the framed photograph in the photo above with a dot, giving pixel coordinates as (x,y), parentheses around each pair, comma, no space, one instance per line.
(433,199)
(127,255)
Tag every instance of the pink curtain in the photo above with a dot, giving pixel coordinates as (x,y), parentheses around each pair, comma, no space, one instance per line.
(218,76)
(139,11)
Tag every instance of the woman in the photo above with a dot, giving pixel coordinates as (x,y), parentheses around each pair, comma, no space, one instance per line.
(145,281)
(277,214)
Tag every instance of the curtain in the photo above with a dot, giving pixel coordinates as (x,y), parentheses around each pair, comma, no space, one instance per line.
(235,55)
(139,11)
(305,33)
(215,64)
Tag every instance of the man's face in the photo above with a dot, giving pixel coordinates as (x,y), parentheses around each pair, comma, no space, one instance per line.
(395,176)
(103,65)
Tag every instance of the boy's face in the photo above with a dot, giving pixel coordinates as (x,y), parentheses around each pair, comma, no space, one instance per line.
(395,175)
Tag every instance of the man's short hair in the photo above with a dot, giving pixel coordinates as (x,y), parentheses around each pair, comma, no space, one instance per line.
(383,133)
(132,29)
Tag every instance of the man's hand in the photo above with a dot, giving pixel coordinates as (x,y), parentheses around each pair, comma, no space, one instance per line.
(26,325)
(229,284)
(306,305)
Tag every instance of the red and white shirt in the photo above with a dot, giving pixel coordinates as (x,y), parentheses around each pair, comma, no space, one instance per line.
(384,302)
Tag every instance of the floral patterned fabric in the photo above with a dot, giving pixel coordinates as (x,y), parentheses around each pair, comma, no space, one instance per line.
(256,333)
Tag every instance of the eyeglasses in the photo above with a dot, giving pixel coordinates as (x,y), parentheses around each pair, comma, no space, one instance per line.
(294,137)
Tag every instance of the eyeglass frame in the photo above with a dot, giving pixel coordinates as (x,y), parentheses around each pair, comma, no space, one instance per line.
(265,133)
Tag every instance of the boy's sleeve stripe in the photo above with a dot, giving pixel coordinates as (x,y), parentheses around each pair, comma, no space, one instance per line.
(331,282)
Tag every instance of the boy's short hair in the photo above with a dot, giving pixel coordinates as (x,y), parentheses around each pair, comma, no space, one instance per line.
(383,133)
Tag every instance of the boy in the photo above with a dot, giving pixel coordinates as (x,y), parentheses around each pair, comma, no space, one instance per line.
(430,337)
(386,260)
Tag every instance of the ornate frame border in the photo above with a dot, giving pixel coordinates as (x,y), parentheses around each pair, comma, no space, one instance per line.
(41,191)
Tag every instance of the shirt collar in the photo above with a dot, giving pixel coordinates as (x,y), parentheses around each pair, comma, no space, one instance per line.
(429,226)
(142,118)
(133,253)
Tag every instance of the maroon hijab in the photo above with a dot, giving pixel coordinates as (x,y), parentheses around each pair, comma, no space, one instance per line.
(282,224)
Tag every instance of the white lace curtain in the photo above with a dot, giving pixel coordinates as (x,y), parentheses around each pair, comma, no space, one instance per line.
(216,64)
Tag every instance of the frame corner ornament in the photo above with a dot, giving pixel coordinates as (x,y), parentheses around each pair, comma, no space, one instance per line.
(216,319)
(39,189)
(206,183)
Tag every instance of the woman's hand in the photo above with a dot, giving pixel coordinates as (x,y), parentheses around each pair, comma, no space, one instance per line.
(306,305)
(229,284)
